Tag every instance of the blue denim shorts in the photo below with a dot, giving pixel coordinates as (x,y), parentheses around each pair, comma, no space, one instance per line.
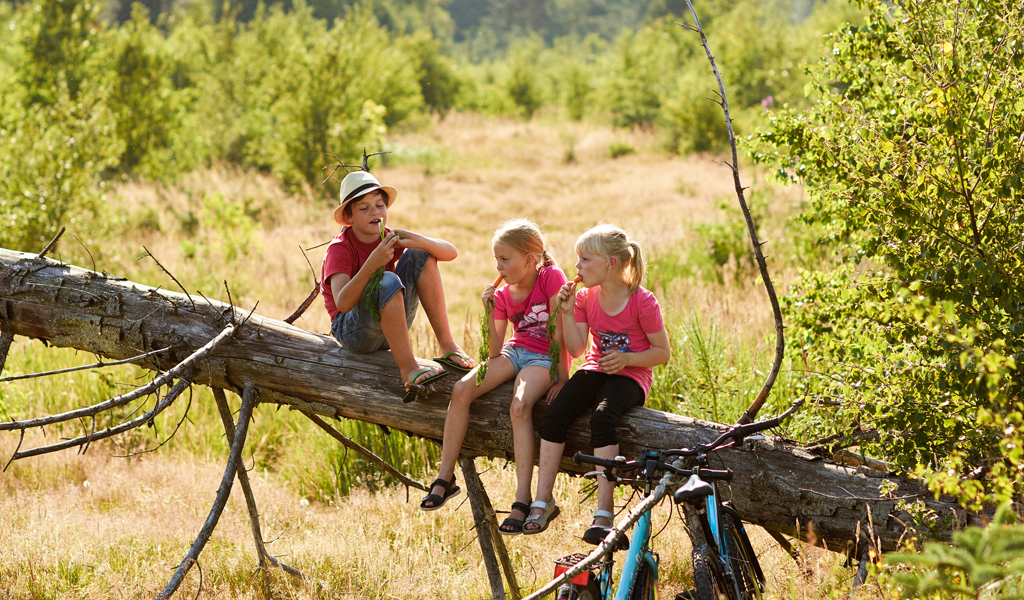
(358,330)
(521,357)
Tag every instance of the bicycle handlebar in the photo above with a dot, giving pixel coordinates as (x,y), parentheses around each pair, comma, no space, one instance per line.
(629,465)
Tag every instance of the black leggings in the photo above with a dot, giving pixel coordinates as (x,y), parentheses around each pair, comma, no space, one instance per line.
(609,395)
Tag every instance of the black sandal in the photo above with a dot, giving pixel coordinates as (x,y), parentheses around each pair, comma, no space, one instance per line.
(516,525)
(450,489)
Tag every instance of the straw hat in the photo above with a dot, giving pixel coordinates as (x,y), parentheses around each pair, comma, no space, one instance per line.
(356,185)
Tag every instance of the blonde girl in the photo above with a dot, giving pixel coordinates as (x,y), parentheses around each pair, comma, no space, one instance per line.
(533,281)
(622,321)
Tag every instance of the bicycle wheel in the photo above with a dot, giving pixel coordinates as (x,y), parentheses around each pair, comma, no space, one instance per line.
(708,581)
(742,559)
(643,585)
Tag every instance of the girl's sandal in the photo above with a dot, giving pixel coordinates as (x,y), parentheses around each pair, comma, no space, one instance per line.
(596,533)
(544,519)
(511,526)
(450,489)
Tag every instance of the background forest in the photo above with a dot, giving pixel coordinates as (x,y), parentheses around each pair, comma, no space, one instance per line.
(883,145)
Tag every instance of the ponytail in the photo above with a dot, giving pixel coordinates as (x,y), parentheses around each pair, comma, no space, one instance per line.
(634,276)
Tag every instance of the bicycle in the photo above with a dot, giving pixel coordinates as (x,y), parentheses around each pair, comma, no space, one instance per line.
(724,562)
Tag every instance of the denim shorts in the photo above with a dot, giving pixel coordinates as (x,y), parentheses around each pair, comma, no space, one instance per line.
(358,330)
(521,357)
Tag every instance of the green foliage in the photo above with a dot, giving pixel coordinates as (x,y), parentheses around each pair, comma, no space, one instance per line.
(143,100)
(912,156)
(522,85)
(620,148)
(980,563)
(439,82)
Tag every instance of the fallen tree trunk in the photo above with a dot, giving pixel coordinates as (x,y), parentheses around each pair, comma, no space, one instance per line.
(776,485)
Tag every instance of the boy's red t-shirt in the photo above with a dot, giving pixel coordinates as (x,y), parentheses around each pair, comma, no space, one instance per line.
(346,254)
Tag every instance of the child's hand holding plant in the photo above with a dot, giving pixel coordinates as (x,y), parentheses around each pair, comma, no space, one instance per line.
(485,330)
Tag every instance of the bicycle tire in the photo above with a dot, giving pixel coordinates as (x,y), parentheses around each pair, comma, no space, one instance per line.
(708,582)
(644,584)
(742,559)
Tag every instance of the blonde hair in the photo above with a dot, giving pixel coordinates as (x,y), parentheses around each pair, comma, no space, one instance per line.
(523,235)
(607,241)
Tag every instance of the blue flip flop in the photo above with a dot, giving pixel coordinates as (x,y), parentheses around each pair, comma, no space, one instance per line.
(446,360)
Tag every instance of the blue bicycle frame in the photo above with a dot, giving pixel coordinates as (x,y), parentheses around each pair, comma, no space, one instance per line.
(637,552)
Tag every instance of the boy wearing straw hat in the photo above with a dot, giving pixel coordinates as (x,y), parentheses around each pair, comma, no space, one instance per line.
(373,312)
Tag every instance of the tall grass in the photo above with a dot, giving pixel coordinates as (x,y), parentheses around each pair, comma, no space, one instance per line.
(98,526)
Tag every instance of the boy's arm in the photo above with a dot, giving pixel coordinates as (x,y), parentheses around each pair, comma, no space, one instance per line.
(441,250)
(348,290)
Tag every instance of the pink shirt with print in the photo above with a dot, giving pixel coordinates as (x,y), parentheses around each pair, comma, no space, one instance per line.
(626,331)
(529,318)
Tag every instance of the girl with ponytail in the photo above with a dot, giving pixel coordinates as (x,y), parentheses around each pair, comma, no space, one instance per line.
(532,280)
(622,321)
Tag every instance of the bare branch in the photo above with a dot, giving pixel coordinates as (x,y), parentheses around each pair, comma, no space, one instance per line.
(249,398)
(159,381)
(762,264)
(53,242)
(184,416)
(380,462)
(250,500)
(169,399)
(84,367)
(93,260)
(162,268)
(312,295)
(6,339)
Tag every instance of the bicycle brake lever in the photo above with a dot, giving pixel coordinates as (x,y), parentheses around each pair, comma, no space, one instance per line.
(595,474)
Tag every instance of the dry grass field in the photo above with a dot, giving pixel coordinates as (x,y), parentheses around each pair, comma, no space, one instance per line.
(95,526)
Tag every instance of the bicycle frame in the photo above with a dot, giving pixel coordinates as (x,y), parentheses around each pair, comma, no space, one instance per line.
(637,552)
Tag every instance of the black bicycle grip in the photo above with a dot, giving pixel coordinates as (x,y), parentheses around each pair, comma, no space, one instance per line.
(722,474)
(580,458)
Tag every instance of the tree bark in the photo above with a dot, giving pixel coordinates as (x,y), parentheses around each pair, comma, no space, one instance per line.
(776,484)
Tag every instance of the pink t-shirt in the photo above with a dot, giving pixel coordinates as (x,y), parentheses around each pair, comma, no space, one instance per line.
(530,317)
(626,331)
(346,254)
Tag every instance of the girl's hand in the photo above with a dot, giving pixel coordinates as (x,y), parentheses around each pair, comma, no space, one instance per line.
(384,251)
(612,361)
(553,390)
(567,296)
(488,296)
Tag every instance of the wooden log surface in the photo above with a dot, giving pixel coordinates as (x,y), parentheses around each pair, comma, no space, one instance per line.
(777,485)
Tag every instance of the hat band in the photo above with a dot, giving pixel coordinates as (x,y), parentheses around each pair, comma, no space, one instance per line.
(356,191)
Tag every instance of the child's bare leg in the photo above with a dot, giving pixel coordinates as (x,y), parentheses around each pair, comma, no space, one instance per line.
(550,455)
(456,422)
(530,385)
(393,325)
(431,292)
(605,488)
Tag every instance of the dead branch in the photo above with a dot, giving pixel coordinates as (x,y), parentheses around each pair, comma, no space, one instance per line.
(164,269)
(312,294)
(6,338)
(380,462)
(157,383)
(52,243)
(83,367)
(250,500)
(249,399)
(184,415)
(181,386)
(762,264)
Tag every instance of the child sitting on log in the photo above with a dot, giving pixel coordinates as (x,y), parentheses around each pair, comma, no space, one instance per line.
(528,299)
(374,278)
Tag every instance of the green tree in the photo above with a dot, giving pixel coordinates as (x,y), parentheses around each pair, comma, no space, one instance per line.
(912,157)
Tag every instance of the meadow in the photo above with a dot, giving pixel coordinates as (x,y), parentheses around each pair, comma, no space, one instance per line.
(101,525)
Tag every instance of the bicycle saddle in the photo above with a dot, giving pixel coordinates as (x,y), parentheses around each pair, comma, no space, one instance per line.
(695,487)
